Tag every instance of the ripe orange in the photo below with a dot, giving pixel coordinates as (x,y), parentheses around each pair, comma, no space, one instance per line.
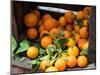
(51,69)
(46,17)
(46,41)
(37,13)
(69,27)
(73,51)
(30,20)
(69,17)
(85,22)
(32,33)
(79,15)
(54,33)
(76,28)
(44,64)
(76,37)
(62,21)
(72,61)
(60,64)
(86,45)
(32,52)
(84,33)
(71,42)
(67,34)
(81,43)
(87,12)
(82,61)
(50,23)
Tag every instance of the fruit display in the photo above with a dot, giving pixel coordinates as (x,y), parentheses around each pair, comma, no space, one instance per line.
(55,44)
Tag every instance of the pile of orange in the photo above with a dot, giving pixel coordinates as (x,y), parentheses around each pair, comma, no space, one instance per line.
(47,29)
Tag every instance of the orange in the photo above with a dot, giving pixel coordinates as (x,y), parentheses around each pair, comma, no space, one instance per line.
(43,32)
(87,11)
(73,51)
(71,42)
(51,69)
(32,33)
(60,64)
(46,41)
(85,22)
(84,33)
(69,17)
(62,21)
(44,64)
(50,23)
(37,13)
(67,34)
(86,45)
(76,37)
(69,27)
(30,20)
(54,32)
(79,15)
(72,61)
(82,61)
(81,43)
(46,17)
(76,28)
(32,52)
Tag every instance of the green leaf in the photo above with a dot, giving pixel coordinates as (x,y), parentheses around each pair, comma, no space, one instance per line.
(42,50)
(79,22)
(84,52)
(14,44)
(45,57)
(24,45)
(62,42)
(56,41)
(52,49)
(34,62)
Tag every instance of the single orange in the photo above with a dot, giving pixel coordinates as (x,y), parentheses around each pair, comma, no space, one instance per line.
(32,52)
(46,17)
(44,64)
(60,64)
(82,61)
(62,21)
(76,37)
(50,23)
(79,15)
(72,61)
(69,17)
(77,28)
(54,32)
(30,20)
(81,43)
(32,33)
(69,27)
(46,41)
(67,34)
(84,33)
